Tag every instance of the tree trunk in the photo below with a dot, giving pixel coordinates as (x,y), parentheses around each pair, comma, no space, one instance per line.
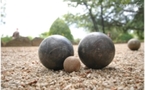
(102,19)
(92,17)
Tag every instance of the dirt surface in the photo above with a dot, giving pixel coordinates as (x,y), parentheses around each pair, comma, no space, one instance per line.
(22,70)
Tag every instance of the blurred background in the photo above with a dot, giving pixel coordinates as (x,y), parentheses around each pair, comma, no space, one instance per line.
(74,19)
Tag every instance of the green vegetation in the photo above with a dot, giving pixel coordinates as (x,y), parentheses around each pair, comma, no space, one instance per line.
(44,34)
(123,38)
(76,41)
(59,27)
(117,17)
(114,16)
(30,37)
(6,39)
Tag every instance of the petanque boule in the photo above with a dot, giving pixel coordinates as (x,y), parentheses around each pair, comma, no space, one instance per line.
(53,50)
(133,44)
(96,50)
(71,64)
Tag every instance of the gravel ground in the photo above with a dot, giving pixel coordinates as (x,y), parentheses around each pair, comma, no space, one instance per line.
(22,70)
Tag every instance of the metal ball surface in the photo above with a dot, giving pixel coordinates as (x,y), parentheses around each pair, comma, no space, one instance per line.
(53,50)
(96,50)
(133,44)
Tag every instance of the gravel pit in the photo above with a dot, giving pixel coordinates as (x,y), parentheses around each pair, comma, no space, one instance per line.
(22,70)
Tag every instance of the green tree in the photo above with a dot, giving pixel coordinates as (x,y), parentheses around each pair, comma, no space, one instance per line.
(105,15)
(61,28)
(44,34)
(137,24)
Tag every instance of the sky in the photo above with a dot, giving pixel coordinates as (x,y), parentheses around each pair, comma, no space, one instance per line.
(33,17)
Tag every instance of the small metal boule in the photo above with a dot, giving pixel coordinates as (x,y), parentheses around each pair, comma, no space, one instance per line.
(134,44)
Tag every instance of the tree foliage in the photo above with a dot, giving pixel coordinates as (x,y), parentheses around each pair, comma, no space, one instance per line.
(61,28)
(107,15)
(44,34)
(6,38)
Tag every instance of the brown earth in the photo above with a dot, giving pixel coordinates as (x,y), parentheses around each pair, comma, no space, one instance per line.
(20,41)
(22,70)
(36,41)
(2,44)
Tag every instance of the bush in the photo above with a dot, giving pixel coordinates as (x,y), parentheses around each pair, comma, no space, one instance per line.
(123,38)
(44,35)
(76,41)
(30,37)
(6,39)
(61,28)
